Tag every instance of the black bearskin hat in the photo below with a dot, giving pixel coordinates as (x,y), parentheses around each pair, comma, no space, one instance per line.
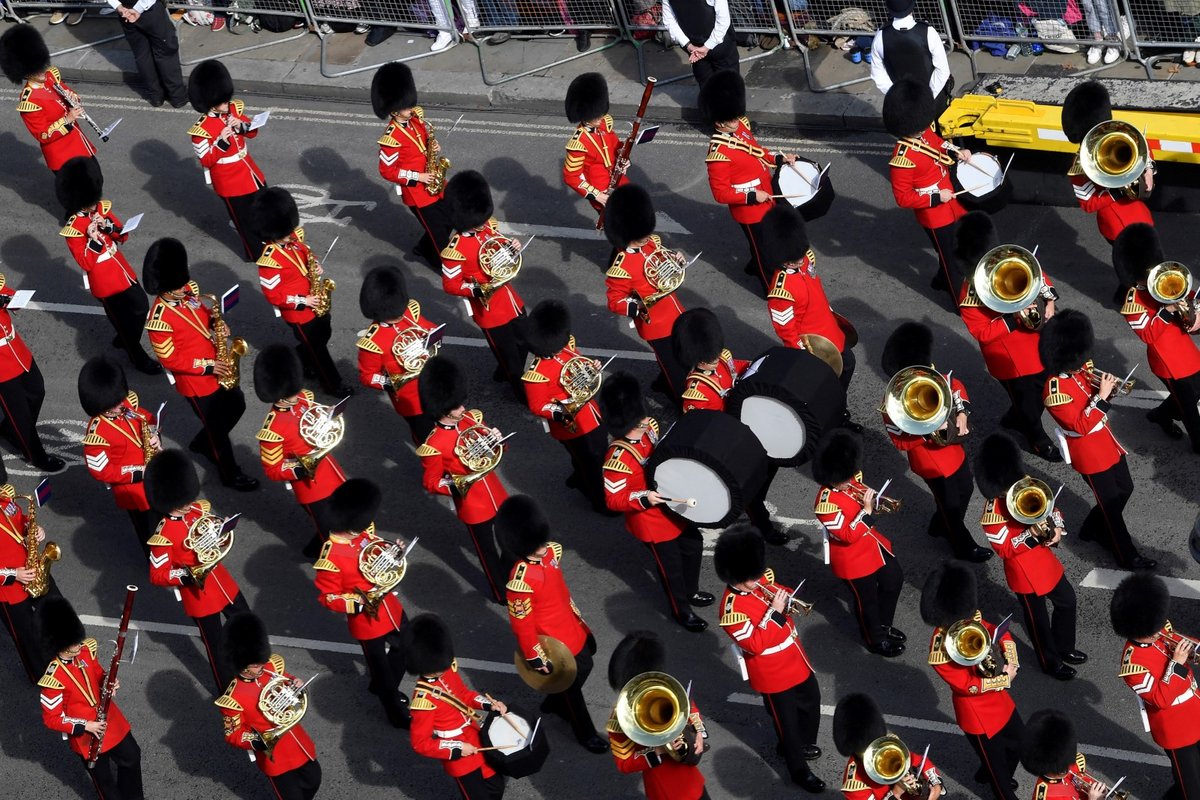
(998,465)
(165,267)
(442,387)
(1048,743)
(353,505)
(950,593)
(547,329)
(246,641)
(638,652)
(274,214)
(392,89)
(723,96)
(470,200)
(908,108)
(628,215)
(621,402)
(782,237)
(170,481)
(911,344)
(974,236)
(1135,252)
(384,294)
(428,647)
(1066,341)
(79,184)
(838,457)
(740,554)
(209,86)
(23,53)
(277,373)
(900,8)
(857,722)
(697,337)
(1140,605)
(521,527)
(587,97)
(101,385)
(59,624)
(1086,106)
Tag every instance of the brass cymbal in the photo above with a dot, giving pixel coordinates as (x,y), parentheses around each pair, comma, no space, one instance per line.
(563,661)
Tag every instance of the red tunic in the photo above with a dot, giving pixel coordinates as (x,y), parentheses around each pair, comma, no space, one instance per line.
(926,458)
(461,272)
(283,276)
(1114,211)
(918,175)
(340,581)
(279,441)
(181,336)
(15,357)
(1171,351)
(981,705)
(1010,350)
(1029,566)
(707,390)
(591,153)
(663,778)
(737,167)
(625,485)
(377,361)
(228,164)
(856,549)
(539,603)
(44,114)
(439,461)
(113,451)
(170,559)
(768,640)
(12,547)
(1082,418)
(244,722)
(70,696)
(445,716)
(626,277)
(402,156)
(857,785)
(544,393)
(105,270)
(1166,690)
(798,305)
(1061,788)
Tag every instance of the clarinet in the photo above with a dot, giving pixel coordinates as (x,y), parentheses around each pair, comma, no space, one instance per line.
(66,98)
(110,680)
(622,161)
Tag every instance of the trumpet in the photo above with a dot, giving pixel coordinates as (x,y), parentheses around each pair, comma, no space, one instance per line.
(1170,283)
(1094,377)
(883,505)
(1083,783)
(794,606)
(1171,638)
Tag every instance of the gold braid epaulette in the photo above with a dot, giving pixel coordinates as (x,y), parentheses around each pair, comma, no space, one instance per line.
(920,146)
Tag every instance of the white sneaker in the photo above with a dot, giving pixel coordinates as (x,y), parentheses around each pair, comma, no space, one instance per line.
(1111,54)
(441,42)
(1189,57)
(1093,55)
(360,29)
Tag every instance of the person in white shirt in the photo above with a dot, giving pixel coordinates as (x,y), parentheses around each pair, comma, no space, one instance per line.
(703,29)
(910,49)
(155,46)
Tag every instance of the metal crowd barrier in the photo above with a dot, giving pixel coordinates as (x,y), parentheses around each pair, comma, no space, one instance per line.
(412,15)
(1152,27)
(242,13)
(35,7)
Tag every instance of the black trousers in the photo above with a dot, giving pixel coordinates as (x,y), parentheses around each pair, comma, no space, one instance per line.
(144,524)
(1051,636)
(1185,394)
(385,666)
(300,783)
(753,233)
(239,208)
(952,496)
(127,311)
(849,362)
(211,638)
(1105,523)
(796,715)
(125,760)
(20,620)
(510,354)
(673,372)
(219,412)
(587,458)
(569,703)
(155,49)
(723,56)
(943,244)
(1185,767)
(476,787)
(1025,414)
(496,566)
(21,403)
(313,348)
(999,755)
(678,565)
(757,511)
(875,598)
(420,425)
(436,230)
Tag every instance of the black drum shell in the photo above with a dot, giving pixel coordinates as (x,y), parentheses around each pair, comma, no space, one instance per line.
(523,762)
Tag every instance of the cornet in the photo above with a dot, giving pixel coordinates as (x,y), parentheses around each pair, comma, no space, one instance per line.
(1094,377)
(884,505)
(794,606)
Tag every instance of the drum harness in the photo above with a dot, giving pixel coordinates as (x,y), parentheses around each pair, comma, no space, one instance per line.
(436,692)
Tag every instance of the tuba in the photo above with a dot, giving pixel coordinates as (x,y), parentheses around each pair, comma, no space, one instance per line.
(480,449)
(284,705)
(500,260)
(410,352)
(1170,283)
(968,644)
(919,401)
(581,378)
(229,353)
(1113,155)
(319,287)
(1030,502)
(206,539)
(323,431)
(652,710)
(38,561)
(665,271)
(1008,280)
(436,164)
(886,760)
(383,564)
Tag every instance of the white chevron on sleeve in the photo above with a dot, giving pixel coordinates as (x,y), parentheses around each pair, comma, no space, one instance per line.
(744,632)
(836,523)
(999,536)
(1144,685)
(388,159)
(270,283)
(783,316)
(451,272)
(97,462)
(157,561)
(51,704)
(614,487)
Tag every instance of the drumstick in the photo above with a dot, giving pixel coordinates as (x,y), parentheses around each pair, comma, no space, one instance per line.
(506,717)
(498,747)
(788,196)
(690,502)
(796,170)
(972,189)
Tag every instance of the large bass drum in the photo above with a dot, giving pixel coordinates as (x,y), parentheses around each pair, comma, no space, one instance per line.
(788,398)
(516,756)
(712,458)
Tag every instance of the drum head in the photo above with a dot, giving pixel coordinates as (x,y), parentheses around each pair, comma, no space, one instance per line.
(688,478)
(806,188)
(777,425)
(517,756)
(984,183)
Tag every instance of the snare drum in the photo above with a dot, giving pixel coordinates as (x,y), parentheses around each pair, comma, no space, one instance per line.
(982,182)
(788,398)
(711,457)
(804,185)
(517,756)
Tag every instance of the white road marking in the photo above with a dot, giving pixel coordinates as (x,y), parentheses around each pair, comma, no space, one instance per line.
(1141,398)
(664,224)
(65,308)
(1109,578)
(60,437)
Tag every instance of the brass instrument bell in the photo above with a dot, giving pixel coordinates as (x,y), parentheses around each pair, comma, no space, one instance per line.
(918,400)
(1114,154)
(652,709)
(886,760)
(1008,279)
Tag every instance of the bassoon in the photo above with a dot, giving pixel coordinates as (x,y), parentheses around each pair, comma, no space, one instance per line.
(621,164)
(110,680)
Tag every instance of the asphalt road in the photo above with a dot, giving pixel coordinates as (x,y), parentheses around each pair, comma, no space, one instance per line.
(875,263)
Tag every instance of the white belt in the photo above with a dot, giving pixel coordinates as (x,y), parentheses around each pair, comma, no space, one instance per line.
(770,651)
(7,339)
(745,188)
(932,189)
(449,734)
(232,159)
(1183,698)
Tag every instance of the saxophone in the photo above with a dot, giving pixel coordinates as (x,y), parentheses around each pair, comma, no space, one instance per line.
(148,432)
(229,353)
(319,287)
(38,561)
(436,164)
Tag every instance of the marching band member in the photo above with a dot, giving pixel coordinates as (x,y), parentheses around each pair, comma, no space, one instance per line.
(206,589)
(282,448)
(52,120)
(22,390)
(493,307)
(344,586)
(663,776)
(120,435)
(408,153)
(1032,569)
(443,388)
(540,605)
(71,688)
(446,712)
(93,232)
(288,759)
(547,334)
(182,337)
(1078,398)
(1009,347)
(593,149)
(287,272)
(857,724)
(219,139)
(384,364)
(920,173)
(940,462)
(858,553)
(1156,663)
(983,708)
(16,604)
(1173,355)
(1049,752)
(673,542)
(756,614)
(629,223)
